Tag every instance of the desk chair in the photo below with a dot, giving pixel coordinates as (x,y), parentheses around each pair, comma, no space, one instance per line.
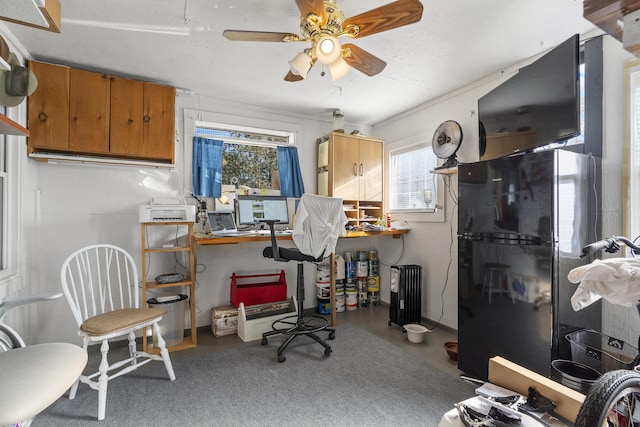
(100,283)
(319,221)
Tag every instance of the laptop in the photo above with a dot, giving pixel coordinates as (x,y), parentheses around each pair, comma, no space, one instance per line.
(221,223)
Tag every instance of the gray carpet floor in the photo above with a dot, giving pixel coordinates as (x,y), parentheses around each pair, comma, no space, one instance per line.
(366,381)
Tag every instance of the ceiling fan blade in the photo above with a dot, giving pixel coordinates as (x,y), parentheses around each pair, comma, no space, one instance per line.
(387,17)
(259,36)
(290,77)
(363,61)
(312,6)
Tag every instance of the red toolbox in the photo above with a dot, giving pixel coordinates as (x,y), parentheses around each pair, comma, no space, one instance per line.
(258,288)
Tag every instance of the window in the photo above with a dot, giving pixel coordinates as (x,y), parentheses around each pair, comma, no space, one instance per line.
(250,156)
(412,186)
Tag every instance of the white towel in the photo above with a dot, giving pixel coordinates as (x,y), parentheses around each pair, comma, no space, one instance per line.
(319,222)
(617,280)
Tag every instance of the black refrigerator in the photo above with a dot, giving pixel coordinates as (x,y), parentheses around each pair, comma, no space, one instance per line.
(522,223)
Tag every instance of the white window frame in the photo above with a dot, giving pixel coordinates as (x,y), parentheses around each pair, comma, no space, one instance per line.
(631,151)
(10,188)
(413,215)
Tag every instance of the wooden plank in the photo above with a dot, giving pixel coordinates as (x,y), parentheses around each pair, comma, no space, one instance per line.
(608,14)
(516,378)
(9,127)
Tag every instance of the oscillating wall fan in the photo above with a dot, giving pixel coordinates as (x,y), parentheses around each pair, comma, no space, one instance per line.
(446,142)
(322,22)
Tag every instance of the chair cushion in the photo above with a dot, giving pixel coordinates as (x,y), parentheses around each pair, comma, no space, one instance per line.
(33,377)
(117,320)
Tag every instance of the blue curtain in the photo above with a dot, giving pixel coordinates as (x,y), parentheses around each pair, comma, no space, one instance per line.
(207,167)
(291,184)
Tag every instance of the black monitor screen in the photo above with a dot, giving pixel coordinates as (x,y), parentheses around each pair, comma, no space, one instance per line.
(537,107)
(255,209)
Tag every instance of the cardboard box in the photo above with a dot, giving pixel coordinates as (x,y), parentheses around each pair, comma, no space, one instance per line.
(224,321)
(510,375)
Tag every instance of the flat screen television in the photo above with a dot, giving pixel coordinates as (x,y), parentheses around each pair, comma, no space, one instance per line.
(254,209)
(539,106)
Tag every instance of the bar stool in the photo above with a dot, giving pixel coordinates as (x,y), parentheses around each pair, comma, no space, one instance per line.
(494,276)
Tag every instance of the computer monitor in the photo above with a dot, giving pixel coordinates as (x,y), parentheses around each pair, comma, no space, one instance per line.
(254,209)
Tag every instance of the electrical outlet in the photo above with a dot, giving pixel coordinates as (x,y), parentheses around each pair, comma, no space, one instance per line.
(615,343)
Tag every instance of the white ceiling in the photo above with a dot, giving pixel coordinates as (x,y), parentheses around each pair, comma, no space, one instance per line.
(180,43)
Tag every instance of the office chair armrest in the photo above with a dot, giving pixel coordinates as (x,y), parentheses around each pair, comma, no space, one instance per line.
(275,252)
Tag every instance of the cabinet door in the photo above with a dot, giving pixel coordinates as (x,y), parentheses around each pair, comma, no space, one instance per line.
(370,170)
(88,112)
(159,121)
(345,167)
(48,107)
(125,129)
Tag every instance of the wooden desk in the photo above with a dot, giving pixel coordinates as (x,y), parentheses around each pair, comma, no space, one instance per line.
(207,239)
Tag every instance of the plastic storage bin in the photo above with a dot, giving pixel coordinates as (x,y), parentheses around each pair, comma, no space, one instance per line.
(172,323)
(601,352)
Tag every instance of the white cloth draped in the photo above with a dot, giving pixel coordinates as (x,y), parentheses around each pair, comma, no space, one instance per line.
(318,224)
(617,280)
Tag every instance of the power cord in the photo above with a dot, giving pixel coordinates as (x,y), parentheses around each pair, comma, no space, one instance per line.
(447,183)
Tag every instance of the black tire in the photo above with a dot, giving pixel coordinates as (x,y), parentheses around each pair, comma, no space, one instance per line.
(611,388)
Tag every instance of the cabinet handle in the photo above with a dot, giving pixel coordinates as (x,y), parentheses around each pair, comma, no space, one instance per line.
(130,121)
(355,169)
(146,119)
(361,169)
(43,117)
(75,117)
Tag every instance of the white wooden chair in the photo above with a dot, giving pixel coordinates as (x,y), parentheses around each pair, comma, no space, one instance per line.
(33,377)
(100,283)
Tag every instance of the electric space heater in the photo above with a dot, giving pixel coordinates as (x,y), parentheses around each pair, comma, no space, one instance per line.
(406,294)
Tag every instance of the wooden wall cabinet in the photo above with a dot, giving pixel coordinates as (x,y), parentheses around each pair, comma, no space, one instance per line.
(93,114)
(88,112)
(48,108)
(142,119)
(351,167)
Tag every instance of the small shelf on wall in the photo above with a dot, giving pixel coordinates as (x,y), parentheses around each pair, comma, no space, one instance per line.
(446,171)
(9,127)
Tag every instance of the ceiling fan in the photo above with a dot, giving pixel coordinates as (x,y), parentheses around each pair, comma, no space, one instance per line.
(322,22)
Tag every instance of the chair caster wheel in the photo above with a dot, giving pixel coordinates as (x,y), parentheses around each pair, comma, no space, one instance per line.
(327,352)
(264,341)
(281,358)
(332,335)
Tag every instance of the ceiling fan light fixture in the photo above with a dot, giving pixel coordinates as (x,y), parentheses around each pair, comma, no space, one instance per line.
(328,49)
(339,68)
(301,64)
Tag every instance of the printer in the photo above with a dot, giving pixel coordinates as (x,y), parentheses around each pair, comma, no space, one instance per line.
(167,210)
